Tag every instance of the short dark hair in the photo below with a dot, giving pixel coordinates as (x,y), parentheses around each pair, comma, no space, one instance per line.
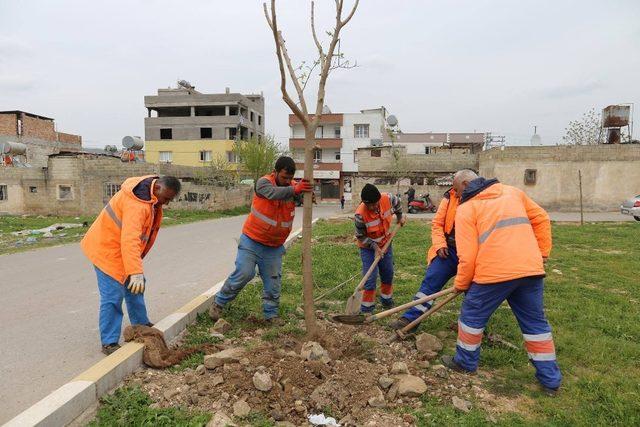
(170,182)
(285,163)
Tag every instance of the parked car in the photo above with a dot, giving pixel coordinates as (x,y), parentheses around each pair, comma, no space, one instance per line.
(631,207)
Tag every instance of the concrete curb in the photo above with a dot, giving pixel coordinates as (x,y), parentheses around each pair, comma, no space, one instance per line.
(68,402)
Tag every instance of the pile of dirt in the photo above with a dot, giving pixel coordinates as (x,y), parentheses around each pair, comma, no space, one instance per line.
(350,373)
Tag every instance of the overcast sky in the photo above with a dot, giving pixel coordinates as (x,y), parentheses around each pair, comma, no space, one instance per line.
(441,66)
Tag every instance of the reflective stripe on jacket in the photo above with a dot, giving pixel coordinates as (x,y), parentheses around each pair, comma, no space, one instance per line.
(501,235)
(443,223)
(270,221)
(124,232)
(377,223)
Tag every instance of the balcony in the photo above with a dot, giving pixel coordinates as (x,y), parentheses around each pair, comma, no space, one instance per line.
(329,170)
(298,143)
(325,119)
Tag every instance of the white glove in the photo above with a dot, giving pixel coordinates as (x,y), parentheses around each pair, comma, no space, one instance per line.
(136,283)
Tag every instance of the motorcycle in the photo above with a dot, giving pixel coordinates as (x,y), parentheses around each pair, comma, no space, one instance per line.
(422,204)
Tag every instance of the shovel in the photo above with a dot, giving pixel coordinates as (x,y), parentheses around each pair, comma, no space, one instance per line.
(355,300)
(358,319)
(404,332)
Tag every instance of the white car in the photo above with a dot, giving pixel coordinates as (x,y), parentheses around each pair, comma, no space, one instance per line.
(631,207)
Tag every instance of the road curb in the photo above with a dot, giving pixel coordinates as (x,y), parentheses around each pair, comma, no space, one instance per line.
(68,402)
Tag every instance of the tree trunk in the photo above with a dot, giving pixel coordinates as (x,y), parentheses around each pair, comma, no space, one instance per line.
(307,215)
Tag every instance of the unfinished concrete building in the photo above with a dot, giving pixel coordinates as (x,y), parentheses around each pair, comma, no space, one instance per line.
(186,127)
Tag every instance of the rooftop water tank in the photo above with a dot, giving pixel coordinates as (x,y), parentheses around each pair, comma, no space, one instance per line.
(132,143)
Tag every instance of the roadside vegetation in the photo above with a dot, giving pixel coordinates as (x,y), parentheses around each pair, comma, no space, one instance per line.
(591,301)
(9,224)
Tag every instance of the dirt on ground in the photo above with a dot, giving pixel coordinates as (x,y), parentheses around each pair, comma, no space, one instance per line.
(350,373)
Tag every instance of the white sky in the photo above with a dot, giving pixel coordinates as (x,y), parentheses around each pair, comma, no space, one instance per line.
(499,66)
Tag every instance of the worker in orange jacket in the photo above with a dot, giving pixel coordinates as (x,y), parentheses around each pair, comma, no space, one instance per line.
(503,239)
(262,241)
(442,257)
(117,241)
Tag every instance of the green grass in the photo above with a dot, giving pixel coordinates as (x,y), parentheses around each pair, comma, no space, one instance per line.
(11,244)
(129,406)
(593,307)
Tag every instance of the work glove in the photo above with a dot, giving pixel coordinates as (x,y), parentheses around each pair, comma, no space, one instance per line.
(302,186)
(443,253)
(402,221)
(136,283)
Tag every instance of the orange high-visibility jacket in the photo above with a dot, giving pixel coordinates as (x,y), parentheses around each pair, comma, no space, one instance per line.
(501,235)
(377,223)
(270,221)
(124,232)
(442,223)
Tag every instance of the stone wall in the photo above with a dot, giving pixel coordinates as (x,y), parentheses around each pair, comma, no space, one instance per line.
(436,192)
(610,174)
(441,162)
(8,124)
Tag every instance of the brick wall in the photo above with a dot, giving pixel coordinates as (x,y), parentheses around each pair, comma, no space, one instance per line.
(38,128)
(69,138)
(8,124)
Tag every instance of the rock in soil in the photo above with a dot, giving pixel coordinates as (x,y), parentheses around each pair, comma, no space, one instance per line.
(200,370)
(230,355)
(440,371)
(217,380)
(461,404)
(429,355)
(427,342)
(377,400)
(442,334)
(190,378)
(399,368)
(169,394)
(202,388)
(220,419)
(241,408)
(262,381)
(312,350)
(277,415)
(222,326)
(393,392)
(385,382)
(411,386)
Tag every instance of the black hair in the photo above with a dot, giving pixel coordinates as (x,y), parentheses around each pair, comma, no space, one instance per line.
(170,182)
(285,163)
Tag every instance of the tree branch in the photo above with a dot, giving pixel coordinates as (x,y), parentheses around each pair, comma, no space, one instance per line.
(353,10)
(315,35)
(292,74)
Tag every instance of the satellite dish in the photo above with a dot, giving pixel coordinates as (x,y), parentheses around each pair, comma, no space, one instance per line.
(392,120)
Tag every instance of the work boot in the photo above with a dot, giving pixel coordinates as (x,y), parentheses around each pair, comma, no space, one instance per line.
(275,321)
(215,312)
(401,323)
(149,325)
(550,392)
(450,363)
(110,348)
(386,303)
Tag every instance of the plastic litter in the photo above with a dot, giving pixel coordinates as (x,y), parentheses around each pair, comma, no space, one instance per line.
(48,229)
(322,420)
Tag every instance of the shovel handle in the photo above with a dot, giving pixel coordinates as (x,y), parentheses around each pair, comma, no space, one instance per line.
(410,304)
(433,309)
(377,259)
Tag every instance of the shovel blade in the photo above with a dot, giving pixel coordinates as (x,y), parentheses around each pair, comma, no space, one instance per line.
(349,319)
(353,303)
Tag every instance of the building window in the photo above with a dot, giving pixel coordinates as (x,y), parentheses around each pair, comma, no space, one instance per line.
(233,110)
(232,157)
(337,153)
(319,132)
(206,133)
(427,150)
(376,152)
(355,156)
(336,132)
(253,117)
(3,193)
(166,133)
(110,190)
(205,156)
(233,133)
(530,176)
(33,189)
(259,120)
(165,157)
(65,192)
(361,131)
(317,156)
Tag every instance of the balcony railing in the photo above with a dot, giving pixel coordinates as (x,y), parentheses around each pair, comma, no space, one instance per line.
(320,143)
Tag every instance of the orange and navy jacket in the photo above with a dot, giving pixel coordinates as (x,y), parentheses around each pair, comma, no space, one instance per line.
(501,235)
(272,212)
(372,228)
(442,225)
(124,231)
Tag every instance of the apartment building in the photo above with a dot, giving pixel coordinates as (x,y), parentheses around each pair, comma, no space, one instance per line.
(336,154)
(189,128)
(433,143)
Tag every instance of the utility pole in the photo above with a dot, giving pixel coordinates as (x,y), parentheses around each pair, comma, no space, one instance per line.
(580,186)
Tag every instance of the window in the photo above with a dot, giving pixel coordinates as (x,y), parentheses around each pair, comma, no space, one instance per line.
(210,111)
(530,176)
(376,152)
(165,156)
(336,132)
(319,131)
(233,132)
(355,156)
(65,192)
(166,133)
(232,157)
(427,150)
(317,156)
(233,110)
(110,190)
(361,131)
(205,156)
(33,189)
(259,120)
(337,153)
(205,133)
(252,117)
(3,193)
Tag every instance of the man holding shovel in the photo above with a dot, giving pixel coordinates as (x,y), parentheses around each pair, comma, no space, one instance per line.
(372,222)
(442,257)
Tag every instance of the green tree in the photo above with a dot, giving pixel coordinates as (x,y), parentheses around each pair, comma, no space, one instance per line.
(256,157)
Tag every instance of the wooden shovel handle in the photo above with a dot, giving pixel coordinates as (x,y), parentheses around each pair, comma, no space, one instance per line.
(377,259)
(433,309)
(410,304)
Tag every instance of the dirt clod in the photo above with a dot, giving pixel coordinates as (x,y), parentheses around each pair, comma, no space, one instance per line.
(241,408)
(222,326)
(427,342)
(399,368)
(461,404)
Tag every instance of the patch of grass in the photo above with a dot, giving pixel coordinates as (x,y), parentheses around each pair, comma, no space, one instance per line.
(288,329)
(11,244)
(129,406)
(197,334)
(258,419)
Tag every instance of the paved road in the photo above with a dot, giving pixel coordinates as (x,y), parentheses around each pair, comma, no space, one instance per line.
(49,313)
